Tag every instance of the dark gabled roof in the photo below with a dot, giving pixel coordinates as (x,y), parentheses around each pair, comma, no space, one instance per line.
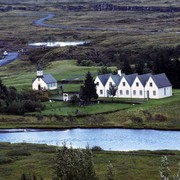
(103,78)
(48,78)
(161,80)
(144,78)
(116,78)
(130,78)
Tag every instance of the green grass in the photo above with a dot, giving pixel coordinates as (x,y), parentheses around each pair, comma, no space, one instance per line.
(126,165)
(65,108)
(21,73)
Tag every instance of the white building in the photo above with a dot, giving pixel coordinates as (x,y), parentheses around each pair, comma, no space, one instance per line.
(43,81)
(134,85)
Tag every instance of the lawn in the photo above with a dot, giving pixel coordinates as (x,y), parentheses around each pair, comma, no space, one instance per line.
(65,108)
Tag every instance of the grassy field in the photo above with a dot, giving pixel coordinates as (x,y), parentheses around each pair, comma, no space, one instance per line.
(38,160)
(17,28)
(21,73)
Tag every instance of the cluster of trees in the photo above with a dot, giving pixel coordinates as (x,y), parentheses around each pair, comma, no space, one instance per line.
(74,164)
(14,102)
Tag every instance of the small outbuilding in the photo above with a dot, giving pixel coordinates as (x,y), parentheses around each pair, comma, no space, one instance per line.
(43,81)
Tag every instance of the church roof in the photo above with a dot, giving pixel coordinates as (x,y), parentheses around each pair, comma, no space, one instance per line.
(48,78)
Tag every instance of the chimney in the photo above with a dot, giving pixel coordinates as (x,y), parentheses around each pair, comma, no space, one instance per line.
(119,72)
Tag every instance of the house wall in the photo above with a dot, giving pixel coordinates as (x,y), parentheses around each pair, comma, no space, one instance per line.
(152,91)
(52,86)
(37,82)
(165,92)
(100,89)
(124,89)
(137,89)
(149,91)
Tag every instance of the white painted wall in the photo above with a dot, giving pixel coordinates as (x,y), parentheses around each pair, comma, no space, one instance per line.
(124,89)
(137,89)
(44,86)
(150,90)
(99,87)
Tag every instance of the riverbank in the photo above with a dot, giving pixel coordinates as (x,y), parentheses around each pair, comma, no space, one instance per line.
(16,159)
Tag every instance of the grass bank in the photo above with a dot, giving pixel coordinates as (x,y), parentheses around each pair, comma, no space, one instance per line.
(16,159)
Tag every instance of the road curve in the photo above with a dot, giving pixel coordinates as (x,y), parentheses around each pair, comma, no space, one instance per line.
(41,22)
(9,58)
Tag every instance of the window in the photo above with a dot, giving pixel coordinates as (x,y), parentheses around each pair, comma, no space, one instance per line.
(127,92)
(97,84)
(124,83)
(120,92)
(154,93)
(101,91)
(110,83)
(134,92)
(137,84)
(164,91)
(150,84)
(140,92)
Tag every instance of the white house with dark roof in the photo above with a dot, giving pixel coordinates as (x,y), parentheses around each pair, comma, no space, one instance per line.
(134,85)
(43,81)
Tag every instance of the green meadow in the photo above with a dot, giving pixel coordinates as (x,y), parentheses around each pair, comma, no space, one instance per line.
(39,160)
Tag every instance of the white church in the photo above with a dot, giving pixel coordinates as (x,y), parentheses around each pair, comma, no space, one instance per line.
(134,85)
(43,81)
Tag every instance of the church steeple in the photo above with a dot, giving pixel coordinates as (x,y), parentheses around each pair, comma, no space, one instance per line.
(39,72)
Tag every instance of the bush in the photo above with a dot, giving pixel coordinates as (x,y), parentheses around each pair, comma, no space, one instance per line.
(5,160)
(160,117)
(87,63)
(138,120)
(96,148)
(19,152)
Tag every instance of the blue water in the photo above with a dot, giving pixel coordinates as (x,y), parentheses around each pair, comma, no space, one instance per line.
(108,139)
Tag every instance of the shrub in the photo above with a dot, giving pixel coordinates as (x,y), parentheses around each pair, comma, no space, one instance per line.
(19,152)
(5,160)
(137,120)
(160,117)
(96,148)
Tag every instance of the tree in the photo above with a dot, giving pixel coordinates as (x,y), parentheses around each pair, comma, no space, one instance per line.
(110,173)
(88,90)
(126,68)
(165,171)
(112,90)
(74,164)
(74,99)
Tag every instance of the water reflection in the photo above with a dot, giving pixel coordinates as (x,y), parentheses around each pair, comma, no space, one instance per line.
(114,139)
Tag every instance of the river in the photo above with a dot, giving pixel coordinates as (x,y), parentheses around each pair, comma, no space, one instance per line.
(108,139)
